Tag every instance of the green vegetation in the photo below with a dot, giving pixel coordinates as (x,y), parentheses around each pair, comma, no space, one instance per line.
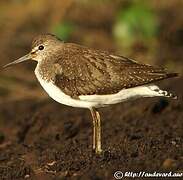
(135,23)
(63,30)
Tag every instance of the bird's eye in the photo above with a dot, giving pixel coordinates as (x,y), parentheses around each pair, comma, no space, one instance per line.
(41,47)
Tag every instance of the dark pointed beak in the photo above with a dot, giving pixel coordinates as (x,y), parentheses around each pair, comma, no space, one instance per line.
(22,59)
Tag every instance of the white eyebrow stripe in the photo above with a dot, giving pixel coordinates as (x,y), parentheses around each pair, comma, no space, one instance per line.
(35,49)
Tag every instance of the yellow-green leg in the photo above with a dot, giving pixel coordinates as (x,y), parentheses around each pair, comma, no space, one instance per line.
(96,131)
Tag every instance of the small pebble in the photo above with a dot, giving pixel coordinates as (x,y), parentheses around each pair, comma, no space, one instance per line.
(169,163)
(27,176)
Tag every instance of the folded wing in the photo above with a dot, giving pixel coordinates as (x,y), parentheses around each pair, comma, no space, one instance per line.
(87,72)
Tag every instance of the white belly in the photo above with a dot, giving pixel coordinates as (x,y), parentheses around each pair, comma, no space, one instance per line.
(55,93)
(89,101)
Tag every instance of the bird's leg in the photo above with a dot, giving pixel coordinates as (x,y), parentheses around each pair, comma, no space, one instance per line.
(96,131)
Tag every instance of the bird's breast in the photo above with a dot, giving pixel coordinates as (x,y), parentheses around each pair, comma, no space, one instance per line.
(57,94)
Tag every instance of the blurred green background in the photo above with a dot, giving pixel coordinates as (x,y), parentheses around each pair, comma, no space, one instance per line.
(148,31)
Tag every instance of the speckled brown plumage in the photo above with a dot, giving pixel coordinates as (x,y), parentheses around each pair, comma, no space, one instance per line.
(84,71)
(44,38)
(87,72)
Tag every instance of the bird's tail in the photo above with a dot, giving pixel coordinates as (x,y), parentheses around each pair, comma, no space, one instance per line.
(162,92)
(168,94)
(170,75)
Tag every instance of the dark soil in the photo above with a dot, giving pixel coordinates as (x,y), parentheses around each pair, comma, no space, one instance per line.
(46,140)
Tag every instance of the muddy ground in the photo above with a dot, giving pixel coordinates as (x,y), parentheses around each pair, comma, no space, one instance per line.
(46,140)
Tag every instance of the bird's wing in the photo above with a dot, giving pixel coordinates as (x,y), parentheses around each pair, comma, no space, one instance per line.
(87,72)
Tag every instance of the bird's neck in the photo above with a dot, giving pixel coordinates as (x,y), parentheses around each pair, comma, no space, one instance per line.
(45,71)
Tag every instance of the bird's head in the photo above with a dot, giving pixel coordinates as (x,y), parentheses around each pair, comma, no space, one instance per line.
(42,46)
